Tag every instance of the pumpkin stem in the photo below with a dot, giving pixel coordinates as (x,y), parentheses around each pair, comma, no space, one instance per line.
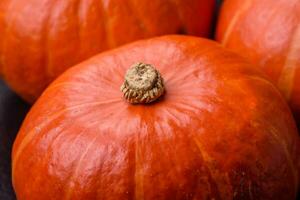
(143,84)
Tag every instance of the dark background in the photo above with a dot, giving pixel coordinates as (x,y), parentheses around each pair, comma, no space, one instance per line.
(12,112)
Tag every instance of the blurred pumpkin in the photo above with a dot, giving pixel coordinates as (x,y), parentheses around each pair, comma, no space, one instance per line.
(214,128)
(268,33)
(39,39)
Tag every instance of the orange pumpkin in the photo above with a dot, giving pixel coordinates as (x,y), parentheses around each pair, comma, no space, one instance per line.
(215,129)
(268,33)
(39,39)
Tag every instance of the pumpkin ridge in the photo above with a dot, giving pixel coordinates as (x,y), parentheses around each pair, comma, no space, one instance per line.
(234,21)
(99,180)
(53,140)
(213,184)
(13,160)
(74,174)
(175,160)
(205,158)
(287,77)
(26,140)
(79,163)
(138,175)
(173,117)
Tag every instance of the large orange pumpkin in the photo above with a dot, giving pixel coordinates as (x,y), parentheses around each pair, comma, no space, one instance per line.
(39,39)
(268,33)
(219,130)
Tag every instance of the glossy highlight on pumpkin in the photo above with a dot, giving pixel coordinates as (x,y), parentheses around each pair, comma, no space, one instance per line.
(266,32)
(221,131)
(39,39)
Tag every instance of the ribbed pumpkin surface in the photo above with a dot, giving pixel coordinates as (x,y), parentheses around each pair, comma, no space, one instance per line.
(221,131)
(39,39)
(267,32)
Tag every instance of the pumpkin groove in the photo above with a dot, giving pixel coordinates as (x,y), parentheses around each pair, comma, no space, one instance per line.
(287,77)
(234,20)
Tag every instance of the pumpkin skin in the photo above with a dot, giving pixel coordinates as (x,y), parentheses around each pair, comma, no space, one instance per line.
(42,38)
(267,32)
(221,130)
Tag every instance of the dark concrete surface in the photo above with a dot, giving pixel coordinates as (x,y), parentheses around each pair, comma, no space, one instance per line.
(12,112)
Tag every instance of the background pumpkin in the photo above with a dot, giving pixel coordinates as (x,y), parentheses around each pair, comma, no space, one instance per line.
(268,33)
(221,130)
(42,38)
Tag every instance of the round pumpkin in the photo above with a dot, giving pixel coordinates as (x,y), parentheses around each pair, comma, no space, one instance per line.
(39,39)
(267,32)
(174,117)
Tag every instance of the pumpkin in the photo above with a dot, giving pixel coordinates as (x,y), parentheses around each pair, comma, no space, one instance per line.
(39,39)
(266,32)
(173,117)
